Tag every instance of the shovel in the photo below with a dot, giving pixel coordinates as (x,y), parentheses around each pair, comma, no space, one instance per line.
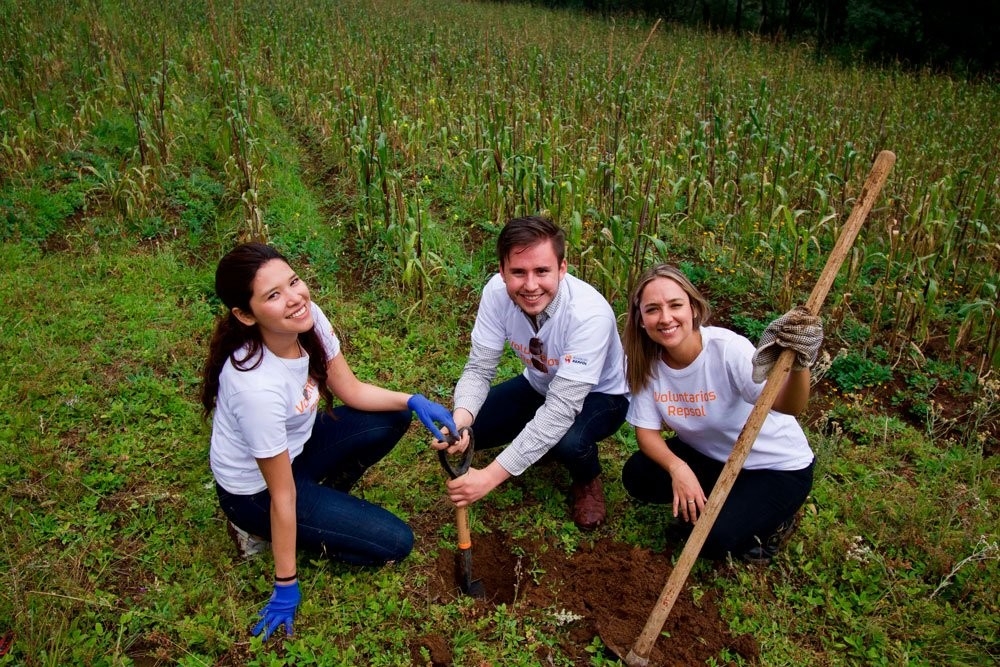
(638,656)
(463,559)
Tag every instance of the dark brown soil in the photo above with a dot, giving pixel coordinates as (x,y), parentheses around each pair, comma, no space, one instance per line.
(612,587)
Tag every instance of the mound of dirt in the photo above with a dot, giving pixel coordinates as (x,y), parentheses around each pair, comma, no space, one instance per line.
(608,589)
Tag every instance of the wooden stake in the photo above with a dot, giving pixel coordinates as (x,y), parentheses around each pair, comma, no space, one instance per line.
(638,656)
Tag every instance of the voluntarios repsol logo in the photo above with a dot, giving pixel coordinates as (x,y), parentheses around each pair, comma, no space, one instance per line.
(684,403)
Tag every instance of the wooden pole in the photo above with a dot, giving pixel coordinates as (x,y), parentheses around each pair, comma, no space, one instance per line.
(638,656)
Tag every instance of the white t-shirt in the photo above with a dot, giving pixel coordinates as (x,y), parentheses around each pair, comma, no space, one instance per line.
(261,412)
(707,404)
(580,340)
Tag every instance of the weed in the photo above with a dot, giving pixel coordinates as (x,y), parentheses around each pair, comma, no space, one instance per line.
(749,326)
(35,213)
(196,199)
(851,371)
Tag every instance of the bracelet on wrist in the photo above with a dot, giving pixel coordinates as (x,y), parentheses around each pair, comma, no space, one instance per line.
(287,579)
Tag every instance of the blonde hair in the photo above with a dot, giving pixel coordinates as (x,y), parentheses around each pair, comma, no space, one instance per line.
(640,350)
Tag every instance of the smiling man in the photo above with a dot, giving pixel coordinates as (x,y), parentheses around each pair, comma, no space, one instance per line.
(572,393)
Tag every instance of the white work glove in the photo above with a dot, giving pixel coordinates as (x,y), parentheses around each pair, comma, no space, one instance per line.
(796,330)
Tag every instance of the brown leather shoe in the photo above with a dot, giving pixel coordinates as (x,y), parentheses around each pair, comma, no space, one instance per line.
(588,504)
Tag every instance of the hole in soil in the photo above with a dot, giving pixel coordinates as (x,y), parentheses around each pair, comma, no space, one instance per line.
(609,587)
(493,563)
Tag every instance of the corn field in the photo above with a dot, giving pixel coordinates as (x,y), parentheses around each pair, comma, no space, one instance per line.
(645,141)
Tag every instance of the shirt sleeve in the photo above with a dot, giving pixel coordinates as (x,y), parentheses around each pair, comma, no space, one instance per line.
(563,403)
(587,348)
(473,387)
(739,353)
(260,416)
(490,329)
(326,334)
(642,411)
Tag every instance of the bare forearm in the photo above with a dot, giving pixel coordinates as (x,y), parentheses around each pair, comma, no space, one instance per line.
(283,535)
(361,395)
(371,398)
(655,447)
(794,396)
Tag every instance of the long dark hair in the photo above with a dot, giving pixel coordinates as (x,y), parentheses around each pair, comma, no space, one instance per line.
(640,350)
(234,286)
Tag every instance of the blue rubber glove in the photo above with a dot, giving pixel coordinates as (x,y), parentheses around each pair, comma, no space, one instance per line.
(429,412)
(280,610)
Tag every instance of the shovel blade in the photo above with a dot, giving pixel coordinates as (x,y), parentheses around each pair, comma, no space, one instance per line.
(468,585)
(611,643)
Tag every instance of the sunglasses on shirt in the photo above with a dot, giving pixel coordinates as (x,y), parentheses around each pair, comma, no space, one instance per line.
(535,348)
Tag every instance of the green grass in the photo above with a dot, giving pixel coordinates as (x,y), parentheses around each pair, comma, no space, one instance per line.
(358,130)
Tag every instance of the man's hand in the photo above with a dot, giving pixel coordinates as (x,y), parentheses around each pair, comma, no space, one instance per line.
(475,484)
(462,419)
(452,447)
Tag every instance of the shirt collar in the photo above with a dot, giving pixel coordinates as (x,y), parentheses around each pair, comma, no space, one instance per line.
(553,306)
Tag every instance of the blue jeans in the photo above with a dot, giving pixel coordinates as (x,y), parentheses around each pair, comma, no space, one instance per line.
(329,519)
(513,403)
(759,502)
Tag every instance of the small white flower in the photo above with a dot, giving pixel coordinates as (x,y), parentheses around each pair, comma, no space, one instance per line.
(564,617)
(859,551)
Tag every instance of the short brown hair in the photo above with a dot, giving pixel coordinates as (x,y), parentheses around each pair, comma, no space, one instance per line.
(528,231)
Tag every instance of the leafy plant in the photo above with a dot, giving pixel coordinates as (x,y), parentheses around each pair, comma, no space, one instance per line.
(852,371)
(196,198)
(34,213)
(749,326)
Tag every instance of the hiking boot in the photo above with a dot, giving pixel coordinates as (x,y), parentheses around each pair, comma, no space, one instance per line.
(247,545)
(763,552)
(588,504)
